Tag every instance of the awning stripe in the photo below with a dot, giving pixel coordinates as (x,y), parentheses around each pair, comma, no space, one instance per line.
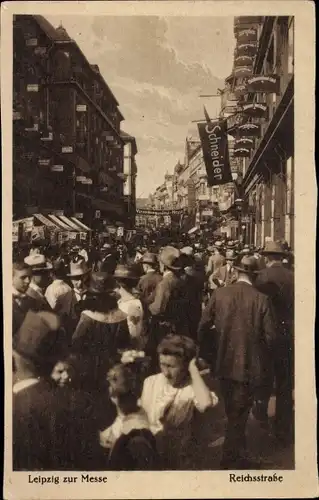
(59,222)
(47,222)
(82,226)
(69,222)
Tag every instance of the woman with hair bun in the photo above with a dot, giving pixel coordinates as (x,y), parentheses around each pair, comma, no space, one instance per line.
(171,397)
(129,440)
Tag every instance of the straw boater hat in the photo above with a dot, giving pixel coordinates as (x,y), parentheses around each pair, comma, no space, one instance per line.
(170,257)
(38,263)
(125,272)
(248,265)
(273,247)
(149,258)
(79,268)
(230,255)
(246,250)
(187,251)
(231,244)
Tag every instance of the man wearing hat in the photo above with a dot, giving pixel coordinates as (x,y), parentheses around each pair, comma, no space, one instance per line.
(78,276)
(21,302)
(277,282)
(216,260)
(108,259)
(149,281)
(52,430)
(59,294)
(227,274)
(243,337)
(171,306)
(40,280)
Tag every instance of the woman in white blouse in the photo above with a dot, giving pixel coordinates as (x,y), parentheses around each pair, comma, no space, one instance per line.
(171,397)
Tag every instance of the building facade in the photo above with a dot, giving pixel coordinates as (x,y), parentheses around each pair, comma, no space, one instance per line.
(130,174)
(68,152)
(263,125)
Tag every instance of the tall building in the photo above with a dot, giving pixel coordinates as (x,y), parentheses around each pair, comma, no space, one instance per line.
(130,174)
(67,143)
(262,81)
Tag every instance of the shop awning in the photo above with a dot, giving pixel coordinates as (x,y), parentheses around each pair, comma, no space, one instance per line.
(82,226)
(45,221)
(60,223)
(68,221)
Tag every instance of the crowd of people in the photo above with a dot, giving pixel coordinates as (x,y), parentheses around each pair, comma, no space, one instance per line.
(112,346)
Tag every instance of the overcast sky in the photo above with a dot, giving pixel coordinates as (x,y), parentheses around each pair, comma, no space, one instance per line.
(156,68)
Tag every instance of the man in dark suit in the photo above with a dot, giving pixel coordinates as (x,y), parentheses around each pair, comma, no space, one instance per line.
(40,280)
(53,429)
(149,281)
(243,337)
(227,274)
(277,282)
(171,300)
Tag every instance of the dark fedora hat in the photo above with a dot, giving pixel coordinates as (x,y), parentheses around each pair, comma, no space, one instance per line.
(101,283)
(248,264)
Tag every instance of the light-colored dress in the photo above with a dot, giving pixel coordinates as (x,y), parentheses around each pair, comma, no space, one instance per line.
(170,412)
(133,308)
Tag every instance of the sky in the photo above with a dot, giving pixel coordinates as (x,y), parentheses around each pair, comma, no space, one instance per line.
(157,67)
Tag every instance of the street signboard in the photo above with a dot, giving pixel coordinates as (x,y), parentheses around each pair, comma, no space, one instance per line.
(79,215)
(81,107)
(57,168)
(67,149)
(33,87)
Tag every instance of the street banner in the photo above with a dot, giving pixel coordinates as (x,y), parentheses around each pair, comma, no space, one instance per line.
(37,233)
(213,136)
(249,130)
(266,84)
(242,152)
(249,35)
(243,71)
(243,61)
(246,49)
(151,211)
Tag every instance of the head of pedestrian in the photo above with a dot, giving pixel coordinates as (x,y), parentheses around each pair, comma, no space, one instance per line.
(38,344)
(149,262)
(101,293)
(230,257)
(273,252)
(21,276)
(126,277)
(175,354)
(59,270)
(125,386)
(78,274)
(169,259)
(247,268)
(41,270)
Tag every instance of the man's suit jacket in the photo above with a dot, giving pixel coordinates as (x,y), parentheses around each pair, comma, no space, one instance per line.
(147,286)
(244,332)
(56,429)
(226,276)
(38,302)
(171,302)
(277,282)
(215,262)
(20,307)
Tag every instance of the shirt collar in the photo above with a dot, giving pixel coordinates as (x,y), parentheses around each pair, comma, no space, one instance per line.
(23,384)
(242,279)
(15,293)
(133,421)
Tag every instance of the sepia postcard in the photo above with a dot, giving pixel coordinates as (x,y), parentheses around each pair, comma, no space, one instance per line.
(159,184)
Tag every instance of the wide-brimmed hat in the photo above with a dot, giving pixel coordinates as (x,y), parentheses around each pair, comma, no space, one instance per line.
(38,263)
(218,244)
(248,264)
(75,248)
(149,258)
(230,254)
(79,268)
(125,272)
(37,336)
(170,257)
(187,250)
(211,248)
(246,250)
(231,244)
(101,283)
(273,247)
(59,268)
(106,246)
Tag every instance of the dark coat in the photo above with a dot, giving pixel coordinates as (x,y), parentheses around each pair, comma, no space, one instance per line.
(98,344)
(55,429)
(277,282)
(244,332)
(225,276)
(38,302)
(134,451)
(20,307)
(147,285)
(170,303)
